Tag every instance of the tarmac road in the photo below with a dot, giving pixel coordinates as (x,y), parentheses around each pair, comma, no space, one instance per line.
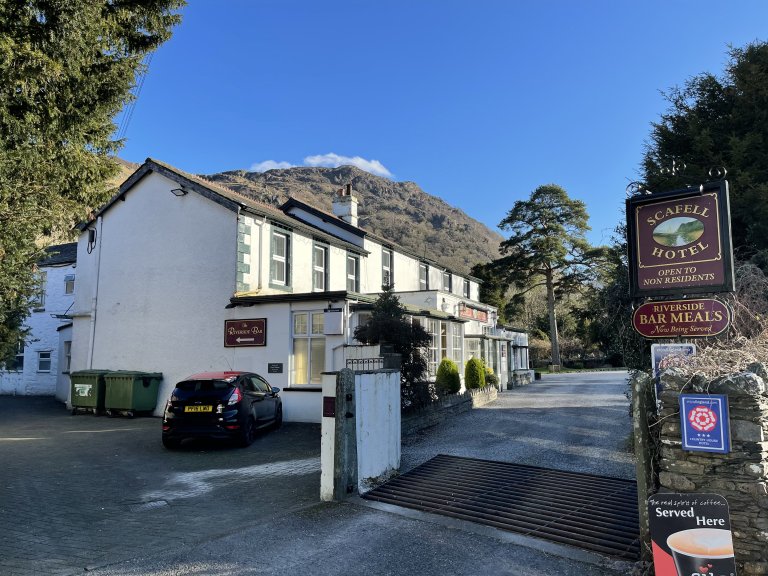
(80,492)
(575,422)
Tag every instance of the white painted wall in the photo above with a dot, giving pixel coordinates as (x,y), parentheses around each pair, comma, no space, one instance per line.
(166,270)
(377,426)
(406,273)
(43,337)
(377,406)
(338,268)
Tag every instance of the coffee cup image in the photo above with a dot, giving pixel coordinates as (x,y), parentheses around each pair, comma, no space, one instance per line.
(702,552)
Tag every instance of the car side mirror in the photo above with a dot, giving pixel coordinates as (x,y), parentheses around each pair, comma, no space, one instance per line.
(275,390)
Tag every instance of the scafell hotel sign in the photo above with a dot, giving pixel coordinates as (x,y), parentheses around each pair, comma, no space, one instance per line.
(680,242)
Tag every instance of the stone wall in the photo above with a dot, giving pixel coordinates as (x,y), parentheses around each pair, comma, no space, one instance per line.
(520,378)
(446,407)
(740,476)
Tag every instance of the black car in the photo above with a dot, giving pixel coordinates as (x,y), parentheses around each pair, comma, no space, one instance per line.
(230,405)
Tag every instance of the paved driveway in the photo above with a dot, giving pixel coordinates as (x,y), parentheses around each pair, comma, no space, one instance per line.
(577,422)
(83,491)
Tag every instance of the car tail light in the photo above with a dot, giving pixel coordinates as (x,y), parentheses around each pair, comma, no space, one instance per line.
(236,397)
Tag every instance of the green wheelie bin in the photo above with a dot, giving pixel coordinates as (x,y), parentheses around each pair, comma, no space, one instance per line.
(87,390)
(129,392)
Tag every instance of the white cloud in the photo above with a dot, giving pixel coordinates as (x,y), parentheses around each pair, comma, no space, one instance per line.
(269,165)
(332,160)
(329,160)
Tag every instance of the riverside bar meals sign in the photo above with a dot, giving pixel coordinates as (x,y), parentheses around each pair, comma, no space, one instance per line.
(680,242)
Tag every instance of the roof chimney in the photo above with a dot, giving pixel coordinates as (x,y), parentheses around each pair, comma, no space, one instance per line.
(345,205)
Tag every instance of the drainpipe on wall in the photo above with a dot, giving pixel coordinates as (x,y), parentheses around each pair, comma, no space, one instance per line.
(95,298)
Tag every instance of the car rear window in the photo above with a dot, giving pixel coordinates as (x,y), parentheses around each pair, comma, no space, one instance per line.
(204,385)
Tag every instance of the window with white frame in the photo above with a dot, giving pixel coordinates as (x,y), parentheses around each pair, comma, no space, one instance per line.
(433,350)
(67,356)
(472,346)
(353,273)
(423,276)
(444,340)
(447,284)
(280,258)
(319,268)
(38,299)
(387,278)
(44,361)
(456,343)
(466,288)
(308,348)
(69,284)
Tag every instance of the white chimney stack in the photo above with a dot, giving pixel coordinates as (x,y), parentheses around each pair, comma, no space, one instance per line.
(345,205)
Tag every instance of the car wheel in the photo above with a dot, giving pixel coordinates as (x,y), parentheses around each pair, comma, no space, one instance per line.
(248,434)
(278,418)
(171,443)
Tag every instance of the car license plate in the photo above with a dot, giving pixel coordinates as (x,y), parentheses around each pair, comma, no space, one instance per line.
(198,408)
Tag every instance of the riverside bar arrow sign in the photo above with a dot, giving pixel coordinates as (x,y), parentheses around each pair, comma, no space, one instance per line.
(695,317)
(250,332)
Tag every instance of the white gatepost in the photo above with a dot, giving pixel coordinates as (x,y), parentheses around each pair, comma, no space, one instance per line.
(327,437)
(360,431)
(379,427)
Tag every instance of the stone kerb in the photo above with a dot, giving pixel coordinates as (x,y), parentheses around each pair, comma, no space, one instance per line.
(741,476)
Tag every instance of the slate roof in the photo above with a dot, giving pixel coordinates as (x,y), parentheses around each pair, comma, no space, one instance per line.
(223,196)
(60,254)
(386,242)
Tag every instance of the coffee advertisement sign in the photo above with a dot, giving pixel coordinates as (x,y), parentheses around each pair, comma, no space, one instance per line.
(691,535)
(680,242)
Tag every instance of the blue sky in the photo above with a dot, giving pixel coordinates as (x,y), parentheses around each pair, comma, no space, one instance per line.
(477,101)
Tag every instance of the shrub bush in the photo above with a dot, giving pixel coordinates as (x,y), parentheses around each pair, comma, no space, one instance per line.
(448,380)
(474,374)
(491,378)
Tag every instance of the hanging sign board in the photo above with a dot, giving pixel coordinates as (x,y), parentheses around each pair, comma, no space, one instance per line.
(680,242)
(691,535)
(250,332)
(472,313)
(704,423)
(690,318)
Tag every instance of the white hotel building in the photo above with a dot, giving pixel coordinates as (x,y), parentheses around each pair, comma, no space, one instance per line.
(174,260)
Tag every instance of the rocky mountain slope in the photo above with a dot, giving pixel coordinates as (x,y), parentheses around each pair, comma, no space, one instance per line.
(399,211)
